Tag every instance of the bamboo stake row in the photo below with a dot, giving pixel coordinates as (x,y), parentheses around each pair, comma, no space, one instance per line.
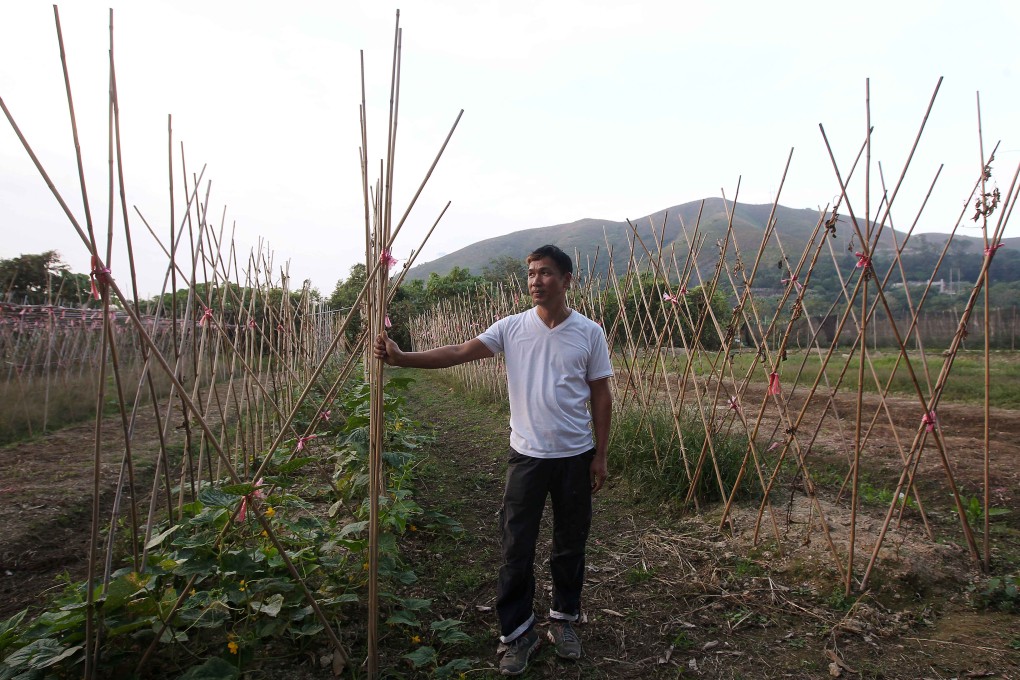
(227,365)
(677,354)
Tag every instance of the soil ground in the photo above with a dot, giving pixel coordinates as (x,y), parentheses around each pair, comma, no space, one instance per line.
(667,595)
(46,484)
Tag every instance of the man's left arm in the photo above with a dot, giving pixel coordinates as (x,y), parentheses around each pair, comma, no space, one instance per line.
(601,415)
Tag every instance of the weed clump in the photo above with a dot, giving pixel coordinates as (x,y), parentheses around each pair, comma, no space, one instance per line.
(664,465)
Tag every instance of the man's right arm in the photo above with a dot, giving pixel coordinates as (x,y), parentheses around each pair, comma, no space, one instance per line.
(440,357)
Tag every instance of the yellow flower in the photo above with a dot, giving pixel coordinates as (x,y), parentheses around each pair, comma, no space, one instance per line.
(265,534)
(364,567)
(242,587)
(194,592)
(232,646)
(416,639)
(270,511)
(399,425)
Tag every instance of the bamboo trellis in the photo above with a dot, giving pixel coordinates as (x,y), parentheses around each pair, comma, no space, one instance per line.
(234,357)
(775,377)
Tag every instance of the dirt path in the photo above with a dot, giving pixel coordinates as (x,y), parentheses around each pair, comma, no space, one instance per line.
(672,597)
(47,493)
(46,486)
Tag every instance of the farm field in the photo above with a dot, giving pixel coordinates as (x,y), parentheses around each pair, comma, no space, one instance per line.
(786,498)
(668,594)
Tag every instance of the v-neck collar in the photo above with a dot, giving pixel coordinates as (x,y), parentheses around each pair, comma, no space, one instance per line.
(561,324)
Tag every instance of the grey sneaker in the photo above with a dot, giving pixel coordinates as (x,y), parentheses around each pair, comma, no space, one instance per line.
(515,658)
(562,634)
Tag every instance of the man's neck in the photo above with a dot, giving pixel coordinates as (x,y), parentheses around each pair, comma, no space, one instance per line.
(555,316)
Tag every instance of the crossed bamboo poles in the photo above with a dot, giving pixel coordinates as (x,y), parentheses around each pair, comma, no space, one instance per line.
(270,404)
(672,310)
(267,349)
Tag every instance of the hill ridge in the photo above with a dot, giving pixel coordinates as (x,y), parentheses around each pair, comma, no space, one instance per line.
(586,236)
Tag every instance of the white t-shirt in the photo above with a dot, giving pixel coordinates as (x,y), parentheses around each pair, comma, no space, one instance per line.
(547,373)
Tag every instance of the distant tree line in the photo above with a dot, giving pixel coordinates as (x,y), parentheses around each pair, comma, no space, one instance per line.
(414,297)
(643,299)
(43,279)
(961,265)
(643,296)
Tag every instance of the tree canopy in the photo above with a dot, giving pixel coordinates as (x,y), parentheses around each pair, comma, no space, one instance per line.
(42,279)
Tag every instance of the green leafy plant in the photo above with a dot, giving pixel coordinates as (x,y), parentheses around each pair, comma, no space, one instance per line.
(443,634)
(223,587)
(998,592)
(975,510)
(639,575)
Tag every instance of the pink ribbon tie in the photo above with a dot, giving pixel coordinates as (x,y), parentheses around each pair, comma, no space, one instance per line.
(387,322)
(774,387)
(257,493)
(206,316)
(929,421)
(991,250)
(734,404)
(100,275)
(386,259)
(675,299)
(863,261)
(303,440)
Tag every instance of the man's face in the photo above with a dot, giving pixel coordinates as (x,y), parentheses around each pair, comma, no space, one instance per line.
(545,282)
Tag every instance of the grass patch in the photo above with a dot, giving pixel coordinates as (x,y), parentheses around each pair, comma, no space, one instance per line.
(966,382)
(663,464)
(639,575)
(33,410)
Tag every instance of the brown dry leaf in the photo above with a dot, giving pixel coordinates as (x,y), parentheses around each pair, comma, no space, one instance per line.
(339,663)
(612,613)
(838,661)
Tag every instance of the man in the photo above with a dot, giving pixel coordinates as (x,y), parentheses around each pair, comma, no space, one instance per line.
(556,360)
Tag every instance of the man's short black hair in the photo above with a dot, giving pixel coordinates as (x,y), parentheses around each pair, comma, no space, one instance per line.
(560,258)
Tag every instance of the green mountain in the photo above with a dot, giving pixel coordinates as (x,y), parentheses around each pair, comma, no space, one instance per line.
(589,241)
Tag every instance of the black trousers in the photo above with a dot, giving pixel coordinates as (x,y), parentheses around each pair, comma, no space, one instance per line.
(528,482)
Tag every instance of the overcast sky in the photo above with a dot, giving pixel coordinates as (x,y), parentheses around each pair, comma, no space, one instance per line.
(573,109)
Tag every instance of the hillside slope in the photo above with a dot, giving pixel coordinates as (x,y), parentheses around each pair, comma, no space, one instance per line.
(700,222)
